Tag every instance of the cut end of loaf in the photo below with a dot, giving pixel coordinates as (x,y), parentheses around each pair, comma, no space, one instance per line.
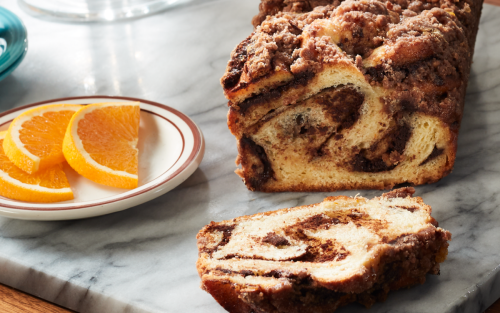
(355,94)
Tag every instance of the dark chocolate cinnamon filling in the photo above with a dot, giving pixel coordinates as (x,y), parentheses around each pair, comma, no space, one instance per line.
(318,221)
(300,80)
(275,240)
(389,160)
(226,230)
(343,105)
(236,65)
(327,252)
(259,172)
(412,208)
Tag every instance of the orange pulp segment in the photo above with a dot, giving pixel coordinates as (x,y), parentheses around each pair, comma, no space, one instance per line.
(48,185)
(101,143)
(34,138)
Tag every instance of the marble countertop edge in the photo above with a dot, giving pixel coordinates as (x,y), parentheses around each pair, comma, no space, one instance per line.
(480,296)
(56,290)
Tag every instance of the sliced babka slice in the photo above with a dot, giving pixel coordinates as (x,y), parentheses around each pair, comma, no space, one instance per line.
(316,258)
(358,94)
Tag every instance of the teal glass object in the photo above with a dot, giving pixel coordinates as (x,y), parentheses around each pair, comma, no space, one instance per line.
(13,41)
(11,68)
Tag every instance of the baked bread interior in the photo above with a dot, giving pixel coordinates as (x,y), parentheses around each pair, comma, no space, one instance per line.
(316,258)
(350,95)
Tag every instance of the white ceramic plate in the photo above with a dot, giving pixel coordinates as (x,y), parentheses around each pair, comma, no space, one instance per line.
(171,147)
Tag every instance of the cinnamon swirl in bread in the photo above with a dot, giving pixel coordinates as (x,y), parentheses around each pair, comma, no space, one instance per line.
(316,258)
(352,94)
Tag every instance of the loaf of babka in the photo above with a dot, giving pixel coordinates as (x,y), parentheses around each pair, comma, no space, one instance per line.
(349,95)
(316,258)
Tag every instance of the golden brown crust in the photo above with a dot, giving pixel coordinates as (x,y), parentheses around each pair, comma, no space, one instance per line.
(226,295)
(261,265)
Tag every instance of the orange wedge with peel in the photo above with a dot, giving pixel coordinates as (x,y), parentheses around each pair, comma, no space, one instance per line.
(101,143)
(34,139)
(48,185)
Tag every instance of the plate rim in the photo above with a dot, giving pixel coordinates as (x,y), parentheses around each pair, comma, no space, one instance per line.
(198,147)
(22,45)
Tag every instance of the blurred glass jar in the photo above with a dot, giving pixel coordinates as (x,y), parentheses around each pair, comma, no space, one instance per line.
(95,10)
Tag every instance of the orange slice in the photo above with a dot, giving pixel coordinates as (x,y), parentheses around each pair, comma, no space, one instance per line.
(48,185)
(34,139)
(101,143)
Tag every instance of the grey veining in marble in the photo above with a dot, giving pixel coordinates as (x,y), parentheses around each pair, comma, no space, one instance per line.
(143,259)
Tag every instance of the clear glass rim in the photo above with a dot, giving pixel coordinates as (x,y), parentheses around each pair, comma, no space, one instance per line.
(36,8)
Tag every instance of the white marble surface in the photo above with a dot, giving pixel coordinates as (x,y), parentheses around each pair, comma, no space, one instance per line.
(143,259)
